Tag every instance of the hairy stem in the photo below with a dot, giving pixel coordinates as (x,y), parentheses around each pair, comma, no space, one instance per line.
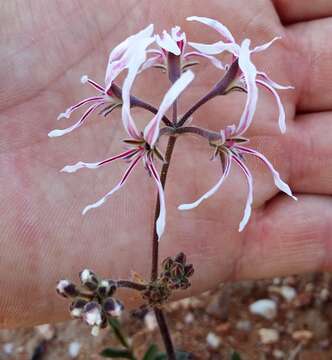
(130,285)
(165,333)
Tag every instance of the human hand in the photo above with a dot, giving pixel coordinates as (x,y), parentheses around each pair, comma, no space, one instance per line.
(45,50)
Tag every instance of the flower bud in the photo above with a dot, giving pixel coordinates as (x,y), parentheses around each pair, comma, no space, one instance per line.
(89,279)
(66,289)
(189,270)
(113,307)
(92,314)
(177,271)
(76,307)
(106,288)
(181,258)
(167,263)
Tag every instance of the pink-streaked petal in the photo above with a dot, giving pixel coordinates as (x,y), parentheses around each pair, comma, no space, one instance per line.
(167,43)
(217,63)
(161,221)
(58,132)
(249,72)
(272,83)
(216,25)
(247,210)
(213,190)
(216,48)
(152,61)
(116,188)
(276,177)
(67,113)
(120,59)
(265,46)
(151,131)
(85,79)
(81,165)
(177,34)
(282,116)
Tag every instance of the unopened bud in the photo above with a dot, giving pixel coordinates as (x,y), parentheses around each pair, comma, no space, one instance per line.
(89,279)
(106,288)
(76,307)
(177,271)
(181,258)
(189,270)
(167,263)
(113,307)
(66,289)
(92,314)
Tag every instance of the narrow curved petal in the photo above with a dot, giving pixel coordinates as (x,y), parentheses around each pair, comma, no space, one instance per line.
(151,131)
(217,63)
(265,46)
(58,132)
(282,116)
(276,177)
(213,190)
(214,24)
(81,165)
(272,83)
(216,48)
(249,72)
(136,48)
(161,221)
(68,112)
(116,188)
(247,210)
(168,43)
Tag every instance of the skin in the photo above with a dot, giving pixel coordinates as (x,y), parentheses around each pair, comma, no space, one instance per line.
(47,45)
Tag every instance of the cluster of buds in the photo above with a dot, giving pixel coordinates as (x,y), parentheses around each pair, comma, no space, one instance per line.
(93,301)
(174,276)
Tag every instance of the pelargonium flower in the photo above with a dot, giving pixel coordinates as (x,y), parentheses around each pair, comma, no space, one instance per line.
(121,57)
(176,44)
(230,148)
(248,77)
(142,144)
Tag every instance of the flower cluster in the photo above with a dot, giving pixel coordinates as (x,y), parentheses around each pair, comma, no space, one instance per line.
(144,50)
(93,302)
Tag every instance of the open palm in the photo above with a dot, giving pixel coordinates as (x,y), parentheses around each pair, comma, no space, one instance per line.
(47,46)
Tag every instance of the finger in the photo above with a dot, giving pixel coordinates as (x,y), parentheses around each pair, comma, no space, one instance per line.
(312,64)
(288,238)
(291,11)
(303,156)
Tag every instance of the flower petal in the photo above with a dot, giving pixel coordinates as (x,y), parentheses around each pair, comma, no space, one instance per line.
(116,188)
(67,113)
(161,221)
(152,61)
(216,48)
(216,25)
(282,116)
(276,177)
(217,63)
(213,190)
(168,43)
(249,72)
(247,210)
(124,52)
(58,132)
(265,46)
(272,83)
(81,165)
(151,131)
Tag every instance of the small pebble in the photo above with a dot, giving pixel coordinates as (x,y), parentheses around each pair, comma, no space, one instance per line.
(302,335)
(46,331)
(74,349)
(265,307)
(324,294)
(278,354)
(213,340)
(8,348)
(150,321)
(268,336)
(243,325)
(189,318)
